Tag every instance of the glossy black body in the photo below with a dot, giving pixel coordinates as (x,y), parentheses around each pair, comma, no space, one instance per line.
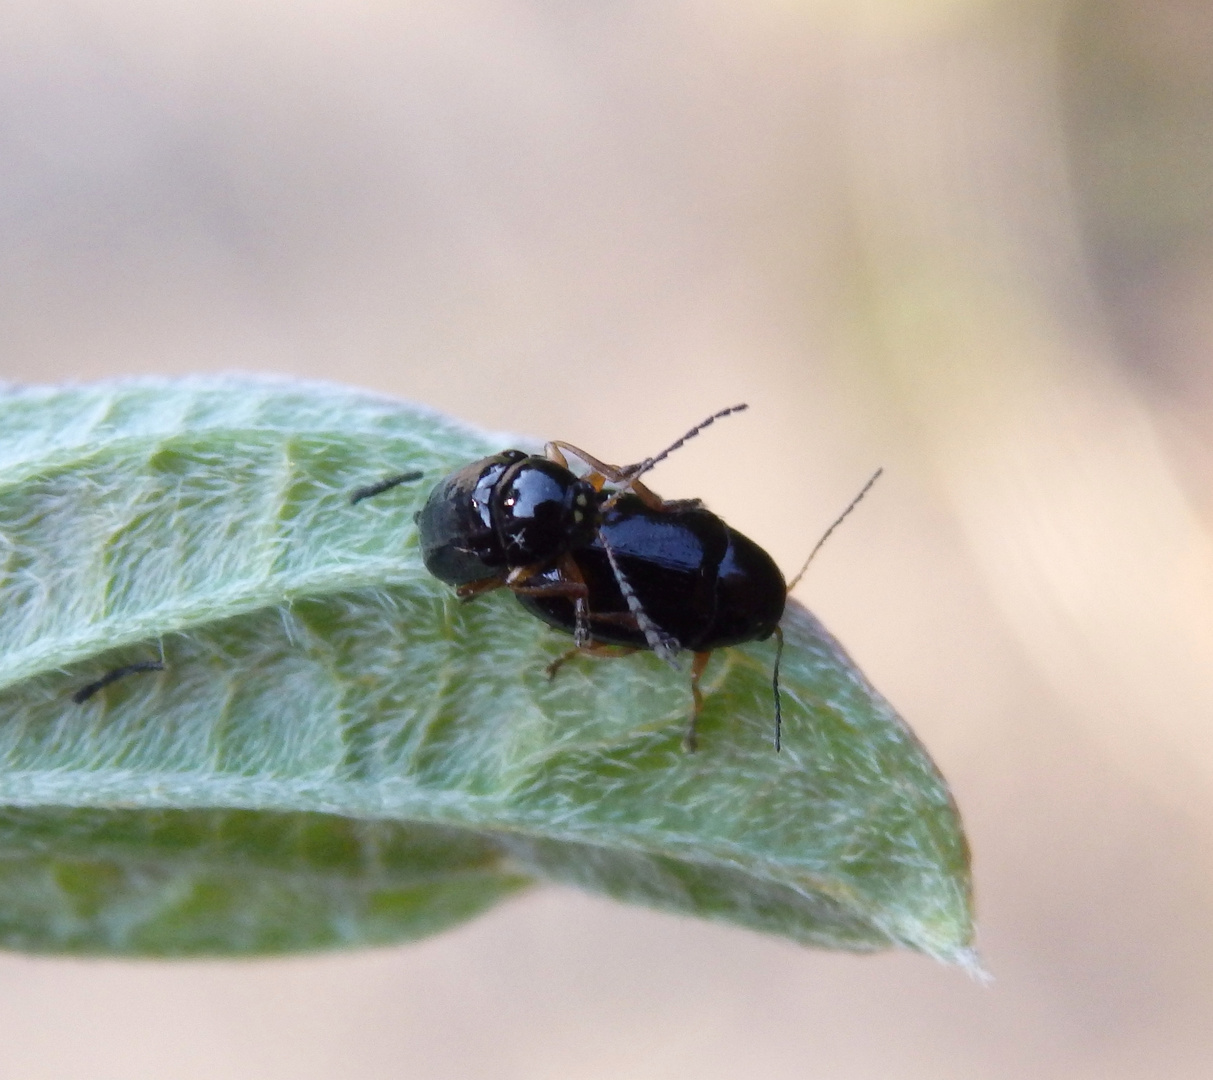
(616,567)
(700,581)
(506,511)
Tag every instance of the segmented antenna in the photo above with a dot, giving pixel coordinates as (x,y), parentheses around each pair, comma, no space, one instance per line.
(634,472)
(661,643)
(837,521)
(358,494)
(85,692)
(666,647)
(775,688)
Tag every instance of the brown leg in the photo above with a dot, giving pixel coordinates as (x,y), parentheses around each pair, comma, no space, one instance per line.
(574,589)
(601,652)
(572,585)
(611,472)
(594,478)
(690,741)
(519,574)
(646,495)
(571,572)
(474,589)
(603,471)
(616,618)
(513,581)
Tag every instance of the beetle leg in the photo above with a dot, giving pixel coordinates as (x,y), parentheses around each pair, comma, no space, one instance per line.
(477,588)
(613,473)
(551,588)
(572,584)
(646,495)
(594,477)
(593,648)
(581,606)
(690,741)
(616,618)
(551,451)
(519,574)
(575,588)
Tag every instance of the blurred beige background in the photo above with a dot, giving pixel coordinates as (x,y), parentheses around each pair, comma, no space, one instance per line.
(969,240)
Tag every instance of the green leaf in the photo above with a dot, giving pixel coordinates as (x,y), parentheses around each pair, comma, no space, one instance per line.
(338,752)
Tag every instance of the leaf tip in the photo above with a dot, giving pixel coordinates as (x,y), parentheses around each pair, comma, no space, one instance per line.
(969,961)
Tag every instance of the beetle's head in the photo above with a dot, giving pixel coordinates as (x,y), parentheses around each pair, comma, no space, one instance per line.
(541,510)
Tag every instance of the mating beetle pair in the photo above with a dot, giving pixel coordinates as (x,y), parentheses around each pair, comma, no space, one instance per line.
(619,567)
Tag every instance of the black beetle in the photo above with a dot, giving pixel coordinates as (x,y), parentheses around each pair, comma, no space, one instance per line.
(665,576)
(621,569)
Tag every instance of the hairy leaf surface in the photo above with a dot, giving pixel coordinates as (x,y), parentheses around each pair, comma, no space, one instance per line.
(338,752)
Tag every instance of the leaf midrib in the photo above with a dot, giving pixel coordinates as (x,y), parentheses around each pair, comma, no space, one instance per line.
(476,814)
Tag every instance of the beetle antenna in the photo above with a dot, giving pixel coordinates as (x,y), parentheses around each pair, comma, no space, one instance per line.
(775,688)
(837,521)
(358,494)
(634,472)
(112,676)
(661,643)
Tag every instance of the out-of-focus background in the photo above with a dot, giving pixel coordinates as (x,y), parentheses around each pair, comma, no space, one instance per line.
(970,240)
